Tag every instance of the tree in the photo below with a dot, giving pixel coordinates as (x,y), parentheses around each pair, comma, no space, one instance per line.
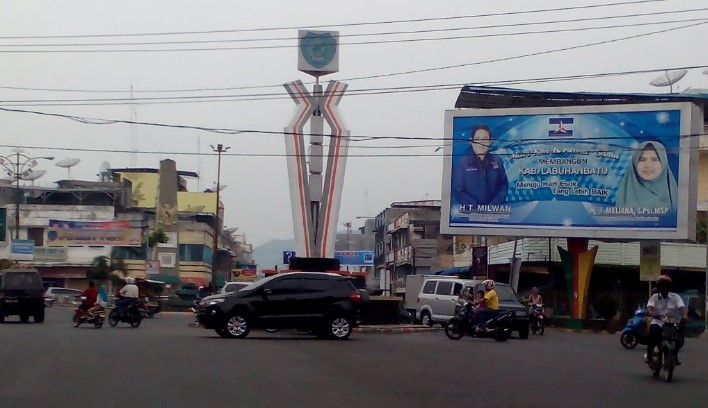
(6,264)
(103,267)
(157,237)
(701,231)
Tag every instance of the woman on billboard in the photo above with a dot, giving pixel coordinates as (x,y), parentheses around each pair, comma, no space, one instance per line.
(649,183)
(479,176)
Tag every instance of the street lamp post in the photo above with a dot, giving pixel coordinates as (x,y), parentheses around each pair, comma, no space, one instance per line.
(220,148)
(21,167)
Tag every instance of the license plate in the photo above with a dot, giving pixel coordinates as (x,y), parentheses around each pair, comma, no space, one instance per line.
(10,300)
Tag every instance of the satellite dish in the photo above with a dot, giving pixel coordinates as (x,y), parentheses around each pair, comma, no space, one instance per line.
(221,187)
(67,164)
(669,79)
(104,173)
(34,175)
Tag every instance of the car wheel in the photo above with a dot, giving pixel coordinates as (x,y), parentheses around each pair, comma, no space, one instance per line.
(24,318)
(524,334)
(339,327)
(39,316)
(236,326)
(425,319)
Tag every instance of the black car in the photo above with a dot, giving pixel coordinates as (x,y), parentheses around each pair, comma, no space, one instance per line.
(326,304)
(21,294)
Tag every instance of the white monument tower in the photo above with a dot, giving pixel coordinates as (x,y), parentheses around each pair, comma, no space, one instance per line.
(315,196)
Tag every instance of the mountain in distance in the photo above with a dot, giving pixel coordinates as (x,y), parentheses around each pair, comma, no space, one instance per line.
(270,254)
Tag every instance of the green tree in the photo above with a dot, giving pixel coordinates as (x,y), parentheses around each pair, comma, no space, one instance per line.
(157,237)
(6,264)
(103,268)
(701,231)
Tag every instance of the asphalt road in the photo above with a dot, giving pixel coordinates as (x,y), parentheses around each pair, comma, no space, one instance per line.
(164,363)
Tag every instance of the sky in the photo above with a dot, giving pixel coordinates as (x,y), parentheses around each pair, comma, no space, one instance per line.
(256,198)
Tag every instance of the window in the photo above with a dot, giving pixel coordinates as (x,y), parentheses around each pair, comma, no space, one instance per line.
(36,235)
(458,289)
(316,284)
(132,253)
(285,286)
(444,288)
(191,253)
(429,287)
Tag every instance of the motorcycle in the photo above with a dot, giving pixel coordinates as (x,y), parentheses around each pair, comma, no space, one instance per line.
(80,317)
(131,314)
(635,331)
(665,358)
(498,327)
(148,309)
(538,319)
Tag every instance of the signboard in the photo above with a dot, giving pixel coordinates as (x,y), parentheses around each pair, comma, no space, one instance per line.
(355,258)
(616,171)
(287,255)
(47,254)
(22,250)
(3,224)
(318,52)
(243,275)
(86,237)
(649,260)
(121,224)
(152,267)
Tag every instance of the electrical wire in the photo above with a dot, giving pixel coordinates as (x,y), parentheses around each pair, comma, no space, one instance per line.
(341,25)
(376,34)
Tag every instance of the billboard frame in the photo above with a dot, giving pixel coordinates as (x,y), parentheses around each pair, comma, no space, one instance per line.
(691,124)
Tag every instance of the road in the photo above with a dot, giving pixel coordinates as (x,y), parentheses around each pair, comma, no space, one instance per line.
(167,364)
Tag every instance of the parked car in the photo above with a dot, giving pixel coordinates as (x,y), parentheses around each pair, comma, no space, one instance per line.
(21,294)
(233,287)
(55,295)
(326,304)
(439,294)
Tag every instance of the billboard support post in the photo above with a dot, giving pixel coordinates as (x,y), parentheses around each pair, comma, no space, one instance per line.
(578,262)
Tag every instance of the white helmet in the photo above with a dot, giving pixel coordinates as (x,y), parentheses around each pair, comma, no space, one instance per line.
(129,280)
(488,284)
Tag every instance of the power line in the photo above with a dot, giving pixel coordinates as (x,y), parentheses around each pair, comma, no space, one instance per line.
(150,50)
(376,34)
(357,24)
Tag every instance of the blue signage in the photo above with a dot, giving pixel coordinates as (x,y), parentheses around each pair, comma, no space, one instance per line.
(355,258)
(287,255)
(591,170)
(22,249)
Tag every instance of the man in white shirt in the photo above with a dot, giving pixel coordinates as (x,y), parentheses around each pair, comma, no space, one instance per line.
(129,293)
(663,303)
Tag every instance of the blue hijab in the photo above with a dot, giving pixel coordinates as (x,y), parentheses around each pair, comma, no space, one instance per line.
(634,191)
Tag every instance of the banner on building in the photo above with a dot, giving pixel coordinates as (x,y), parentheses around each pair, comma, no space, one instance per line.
(462,254)
(243,275)
(611,171)
(649,260)
(22,250)
(152,267)
(355,258)
(48,254)
(88,237)
(112,225)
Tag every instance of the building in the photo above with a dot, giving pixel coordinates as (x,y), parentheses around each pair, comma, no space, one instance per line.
(408,242)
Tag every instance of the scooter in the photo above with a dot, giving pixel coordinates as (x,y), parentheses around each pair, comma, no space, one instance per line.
(80,317)
(148,309)
(538,319)
(635,331)
(665,358)
(498,327)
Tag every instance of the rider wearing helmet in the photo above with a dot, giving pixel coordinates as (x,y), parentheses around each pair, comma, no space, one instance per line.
(490,301)
(663,303)
(129,295)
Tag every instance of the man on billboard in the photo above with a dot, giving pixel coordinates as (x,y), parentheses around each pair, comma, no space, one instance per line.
(478,176)
(649,182)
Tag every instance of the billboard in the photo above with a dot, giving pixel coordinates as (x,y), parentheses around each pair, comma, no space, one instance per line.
(615,171)
(355,258)
(87,237)
(22,250)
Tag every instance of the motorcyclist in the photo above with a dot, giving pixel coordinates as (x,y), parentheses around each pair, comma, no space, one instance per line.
(535,299)
(129,295)
(90,295)
(488,305)
(662,304)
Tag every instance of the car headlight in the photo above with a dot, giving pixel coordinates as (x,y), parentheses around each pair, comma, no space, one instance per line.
(522,314)
(211,302)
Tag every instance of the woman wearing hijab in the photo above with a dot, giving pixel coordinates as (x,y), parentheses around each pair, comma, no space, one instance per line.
(650,182)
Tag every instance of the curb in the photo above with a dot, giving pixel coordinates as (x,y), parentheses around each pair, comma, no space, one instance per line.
(176,313)
(395,330)
(581,331)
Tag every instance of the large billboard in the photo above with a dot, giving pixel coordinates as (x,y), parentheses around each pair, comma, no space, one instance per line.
(614,172)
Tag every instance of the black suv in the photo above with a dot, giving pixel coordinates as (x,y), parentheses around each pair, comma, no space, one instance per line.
(21,293)
(327,304)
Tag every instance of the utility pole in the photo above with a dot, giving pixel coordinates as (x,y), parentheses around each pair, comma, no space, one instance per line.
(220,148)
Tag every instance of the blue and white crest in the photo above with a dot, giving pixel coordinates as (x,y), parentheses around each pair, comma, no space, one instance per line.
(318,48)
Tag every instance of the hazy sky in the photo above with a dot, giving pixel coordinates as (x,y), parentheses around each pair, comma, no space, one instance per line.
(256,198)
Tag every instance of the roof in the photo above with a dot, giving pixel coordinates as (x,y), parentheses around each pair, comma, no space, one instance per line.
(485,97)
(151,170)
